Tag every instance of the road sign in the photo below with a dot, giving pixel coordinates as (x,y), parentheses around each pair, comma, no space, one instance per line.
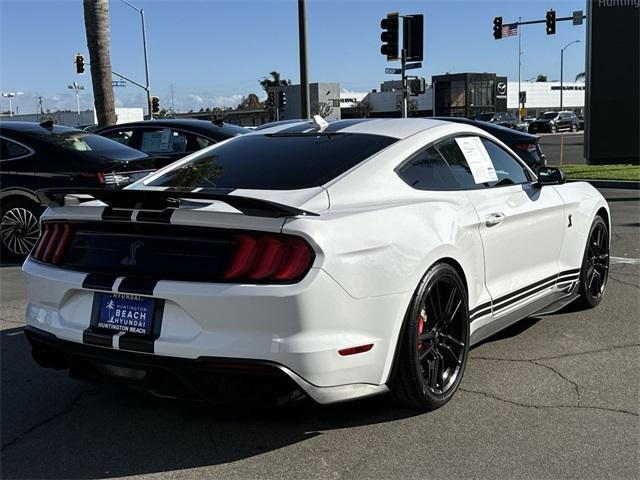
(411,66)
(577,17)
(396,71)
(118,83)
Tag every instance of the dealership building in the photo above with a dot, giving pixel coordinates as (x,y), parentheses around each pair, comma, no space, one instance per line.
(468,94)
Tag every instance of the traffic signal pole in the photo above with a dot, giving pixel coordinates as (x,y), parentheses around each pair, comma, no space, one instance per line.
(405,101)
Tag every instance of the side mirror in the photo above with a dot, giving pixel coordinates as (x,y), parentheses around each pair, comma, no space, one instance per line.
(550,176)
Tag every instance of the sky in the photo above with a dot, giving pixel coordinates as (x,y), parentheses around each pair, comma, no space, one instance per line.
(214,52)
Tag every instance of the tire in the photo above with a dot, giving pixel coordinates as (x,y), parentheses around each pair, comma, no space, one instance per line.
(553,129)
(19,227)
(434,342)
(594,272)
(574,127)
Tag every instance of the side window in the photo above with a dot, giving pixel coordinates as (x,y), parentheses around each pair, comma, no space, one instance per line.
(202,142)
(508,170)
(11,150)
(427,170)
(454,157)
(120,136)
(163,140)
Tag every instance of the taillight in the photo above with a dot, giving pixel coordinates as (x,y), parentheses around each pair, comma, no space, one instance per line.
(54,242)
(528,147)
(269,257)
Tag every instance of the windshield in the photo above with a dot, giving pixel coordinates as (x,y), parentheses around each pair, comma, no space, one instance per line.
(274,162)
(485,117)
(81,141)
(549,115)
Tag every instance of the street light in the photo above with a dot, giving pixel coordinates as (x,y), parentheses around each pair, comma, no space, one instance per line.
(562,69)
(10,95)
(144,46)
(75,86)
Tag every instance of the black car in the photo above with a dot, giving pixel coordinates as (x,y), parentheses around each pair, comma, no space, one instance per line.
(35,156)
(553,122)
(524,144)
(171,138)
(504,119)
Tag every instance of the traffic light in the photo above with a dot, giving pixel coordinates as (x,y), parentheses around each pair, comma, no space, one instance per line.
(271,99)
(551,22)
(412,34)
(282,99)
(497,28)
(390,26)
(79,64)
(155,104)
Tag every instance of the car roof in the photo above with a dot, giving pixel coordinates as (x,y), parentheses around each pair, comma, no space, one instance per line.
(35,128)
(497,130)
(176,122)
(389,127)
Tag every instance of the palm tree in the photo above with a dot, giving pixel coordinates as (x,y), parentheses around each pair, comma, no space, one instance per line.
(96,23)
(274,81)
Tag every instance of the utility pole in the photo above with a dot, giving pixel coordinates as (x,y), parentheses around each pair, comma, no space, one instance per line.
(304,75)
(172,106)
(562,70)
(520,105)
(403,67)
(144,47)
(76,87)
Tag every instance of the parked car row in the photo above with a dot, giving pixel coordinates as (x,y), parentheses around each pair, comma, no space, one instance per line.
(553,122)
(35,156)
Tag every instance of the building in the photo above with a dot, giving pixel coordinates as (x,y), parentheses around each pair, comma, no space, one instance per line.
(468,94)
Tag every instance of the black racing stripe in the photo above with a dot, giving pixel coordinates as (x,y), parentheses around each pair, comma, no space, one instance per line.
(523,289)
(480,313)
(140,343)
(569,275)
(155,217)
(139,286)
(479,307)
(523,296)
(340,124)
(112,214)
(566,272)
(99,281)
(101,338)
(94,336)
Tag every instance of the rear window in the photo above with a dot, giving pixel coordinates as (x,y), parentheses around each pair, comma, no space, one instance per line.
(275,162)
(81,141)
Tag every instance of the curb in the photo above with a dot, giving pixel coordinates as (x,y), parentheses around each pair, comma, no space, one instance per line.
(625,184)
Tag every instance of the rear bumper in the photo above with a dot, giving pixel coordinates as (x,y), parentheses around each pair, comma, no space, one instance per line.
(300,328)
(205,378)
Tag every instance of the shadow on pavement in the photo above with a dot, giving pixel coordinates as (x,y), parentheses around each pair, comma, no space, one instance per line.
(511,331)
(84,431)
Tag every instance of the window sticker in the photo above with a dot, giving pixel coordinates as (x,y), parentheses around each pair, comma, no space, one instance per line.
(478,159)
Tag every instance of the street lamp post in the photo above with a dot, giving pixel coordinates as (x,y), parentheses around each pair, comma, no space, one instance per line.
(10,95)
(75,86)
(144,47)
(562,69)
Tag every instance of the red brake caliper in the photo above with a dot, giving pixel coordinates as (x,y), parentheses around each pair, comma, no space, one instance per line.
(421,321)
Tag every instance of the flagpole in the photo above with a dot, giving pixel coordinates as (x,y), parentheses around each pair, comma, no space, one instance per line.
(519,66)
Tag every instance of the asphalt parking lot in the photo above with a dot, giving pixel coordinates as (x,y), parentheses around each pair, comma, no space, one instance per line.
(552,397)
(571,145)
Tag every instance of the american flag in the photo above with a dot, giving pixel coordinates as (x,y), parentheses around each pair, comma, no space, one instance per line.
(510,30)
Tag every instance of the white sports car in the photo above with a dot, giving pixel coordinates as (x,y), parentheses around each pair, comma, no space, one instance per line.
(334,261)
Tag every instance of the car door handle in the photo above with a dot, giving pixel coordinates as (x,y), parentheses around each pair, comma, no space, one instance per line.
(494,219)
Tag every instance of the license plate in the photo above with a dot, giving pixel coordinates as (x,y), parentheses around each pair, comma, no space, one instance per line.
(126,313)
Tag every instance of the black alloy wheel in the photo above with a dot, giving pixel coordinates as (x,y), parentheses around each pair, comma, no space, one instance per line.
(19,228)
(435,341)
(574,127)
(595,265)
(553,128)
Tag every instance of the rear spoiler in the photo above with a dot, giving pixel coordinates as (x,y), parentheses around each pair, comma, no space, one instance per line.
(129,199)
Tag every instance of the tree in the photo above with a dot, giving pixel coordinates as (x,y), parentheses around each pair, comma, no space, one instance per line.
(323,109)
(581,77)
(363,109)
(250,102)
(274,81)
(96,23)
(541,78)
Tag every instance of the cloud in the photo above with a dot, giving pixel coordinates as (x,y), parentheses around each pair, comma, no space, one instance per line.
(196,98)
